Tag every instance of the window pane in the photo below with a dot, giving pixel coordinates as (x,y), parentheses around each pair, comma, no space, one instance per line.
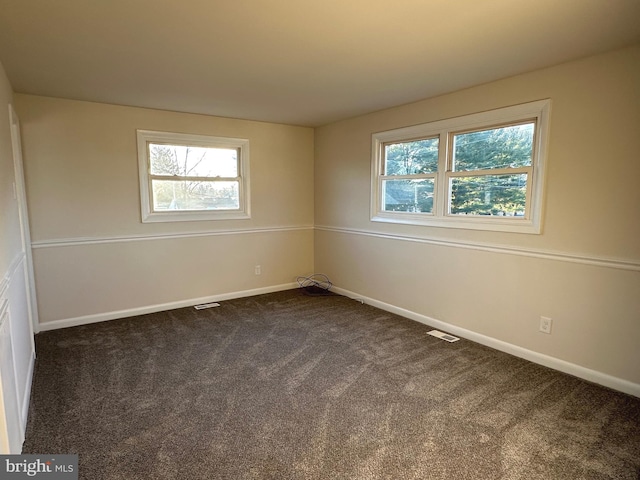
(408,195)
(411,158)
(501,195)
(193,161)
(504,147)
(184,195)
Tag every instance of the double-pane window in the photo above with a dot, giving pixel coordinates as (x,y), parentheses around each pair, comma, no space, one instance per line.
(481,171)
(490,171)
(409,174)
(189,177)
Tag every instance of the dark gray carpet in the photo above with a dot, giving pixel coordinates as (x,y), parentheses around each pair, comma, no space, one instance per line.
(287,386)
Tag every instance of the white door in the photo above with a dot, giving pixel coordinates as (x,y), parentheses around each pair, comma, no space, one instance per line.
(19,315)
(21,196)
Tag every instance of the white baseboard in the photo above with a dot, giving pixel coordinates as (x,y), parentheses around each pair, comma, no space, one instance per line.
(101,317)
(555,363)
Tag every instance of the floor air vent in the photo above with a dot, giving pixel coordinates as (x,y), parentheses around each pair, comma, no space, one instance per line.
(443,336)
(202,306)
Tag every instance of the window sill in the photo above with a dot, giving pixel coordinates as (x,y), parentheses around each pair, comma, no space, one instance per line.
(495,224)
(186,216)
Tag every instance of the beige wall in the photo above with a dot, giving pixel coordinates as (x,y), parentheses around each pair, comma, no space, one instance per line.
(95,260)
(583,270)
(82,186)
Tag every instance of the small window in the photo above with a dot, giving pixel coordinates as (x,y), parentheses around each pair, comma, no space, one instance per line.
(482,171)
(410,170)
(491,171)
(192,177)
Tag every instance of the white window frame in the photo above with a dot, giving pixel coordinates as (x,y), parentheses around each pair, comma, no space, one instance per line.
(145,137)
(531,222)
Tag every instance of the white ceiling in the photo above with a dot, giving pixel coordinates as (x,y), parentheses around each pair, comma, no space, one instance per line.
(303,62)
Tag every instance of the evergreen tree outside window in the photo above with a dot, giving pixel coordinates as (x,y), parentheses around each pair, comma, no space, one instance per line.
(481,171)
(490,171)
(410,169)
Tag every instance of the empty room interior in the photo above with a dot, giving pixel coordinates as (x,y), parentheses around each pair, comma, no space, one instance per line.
(412,227)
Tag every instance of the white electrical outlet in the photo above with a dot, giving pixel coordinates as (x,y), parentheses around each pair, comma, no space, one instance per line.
(545,324)
(258,270)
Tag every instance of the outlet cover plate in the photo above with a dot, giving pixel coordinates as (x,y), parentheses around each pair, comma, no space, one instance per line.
(545,324)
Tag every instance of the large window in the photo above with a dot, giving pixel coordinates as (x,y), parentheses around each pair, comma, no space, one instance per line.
(192,177)
(481,171)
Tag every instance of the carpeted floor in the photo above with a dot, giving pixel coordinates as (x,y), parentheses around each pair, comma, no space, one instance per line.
(287,386)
